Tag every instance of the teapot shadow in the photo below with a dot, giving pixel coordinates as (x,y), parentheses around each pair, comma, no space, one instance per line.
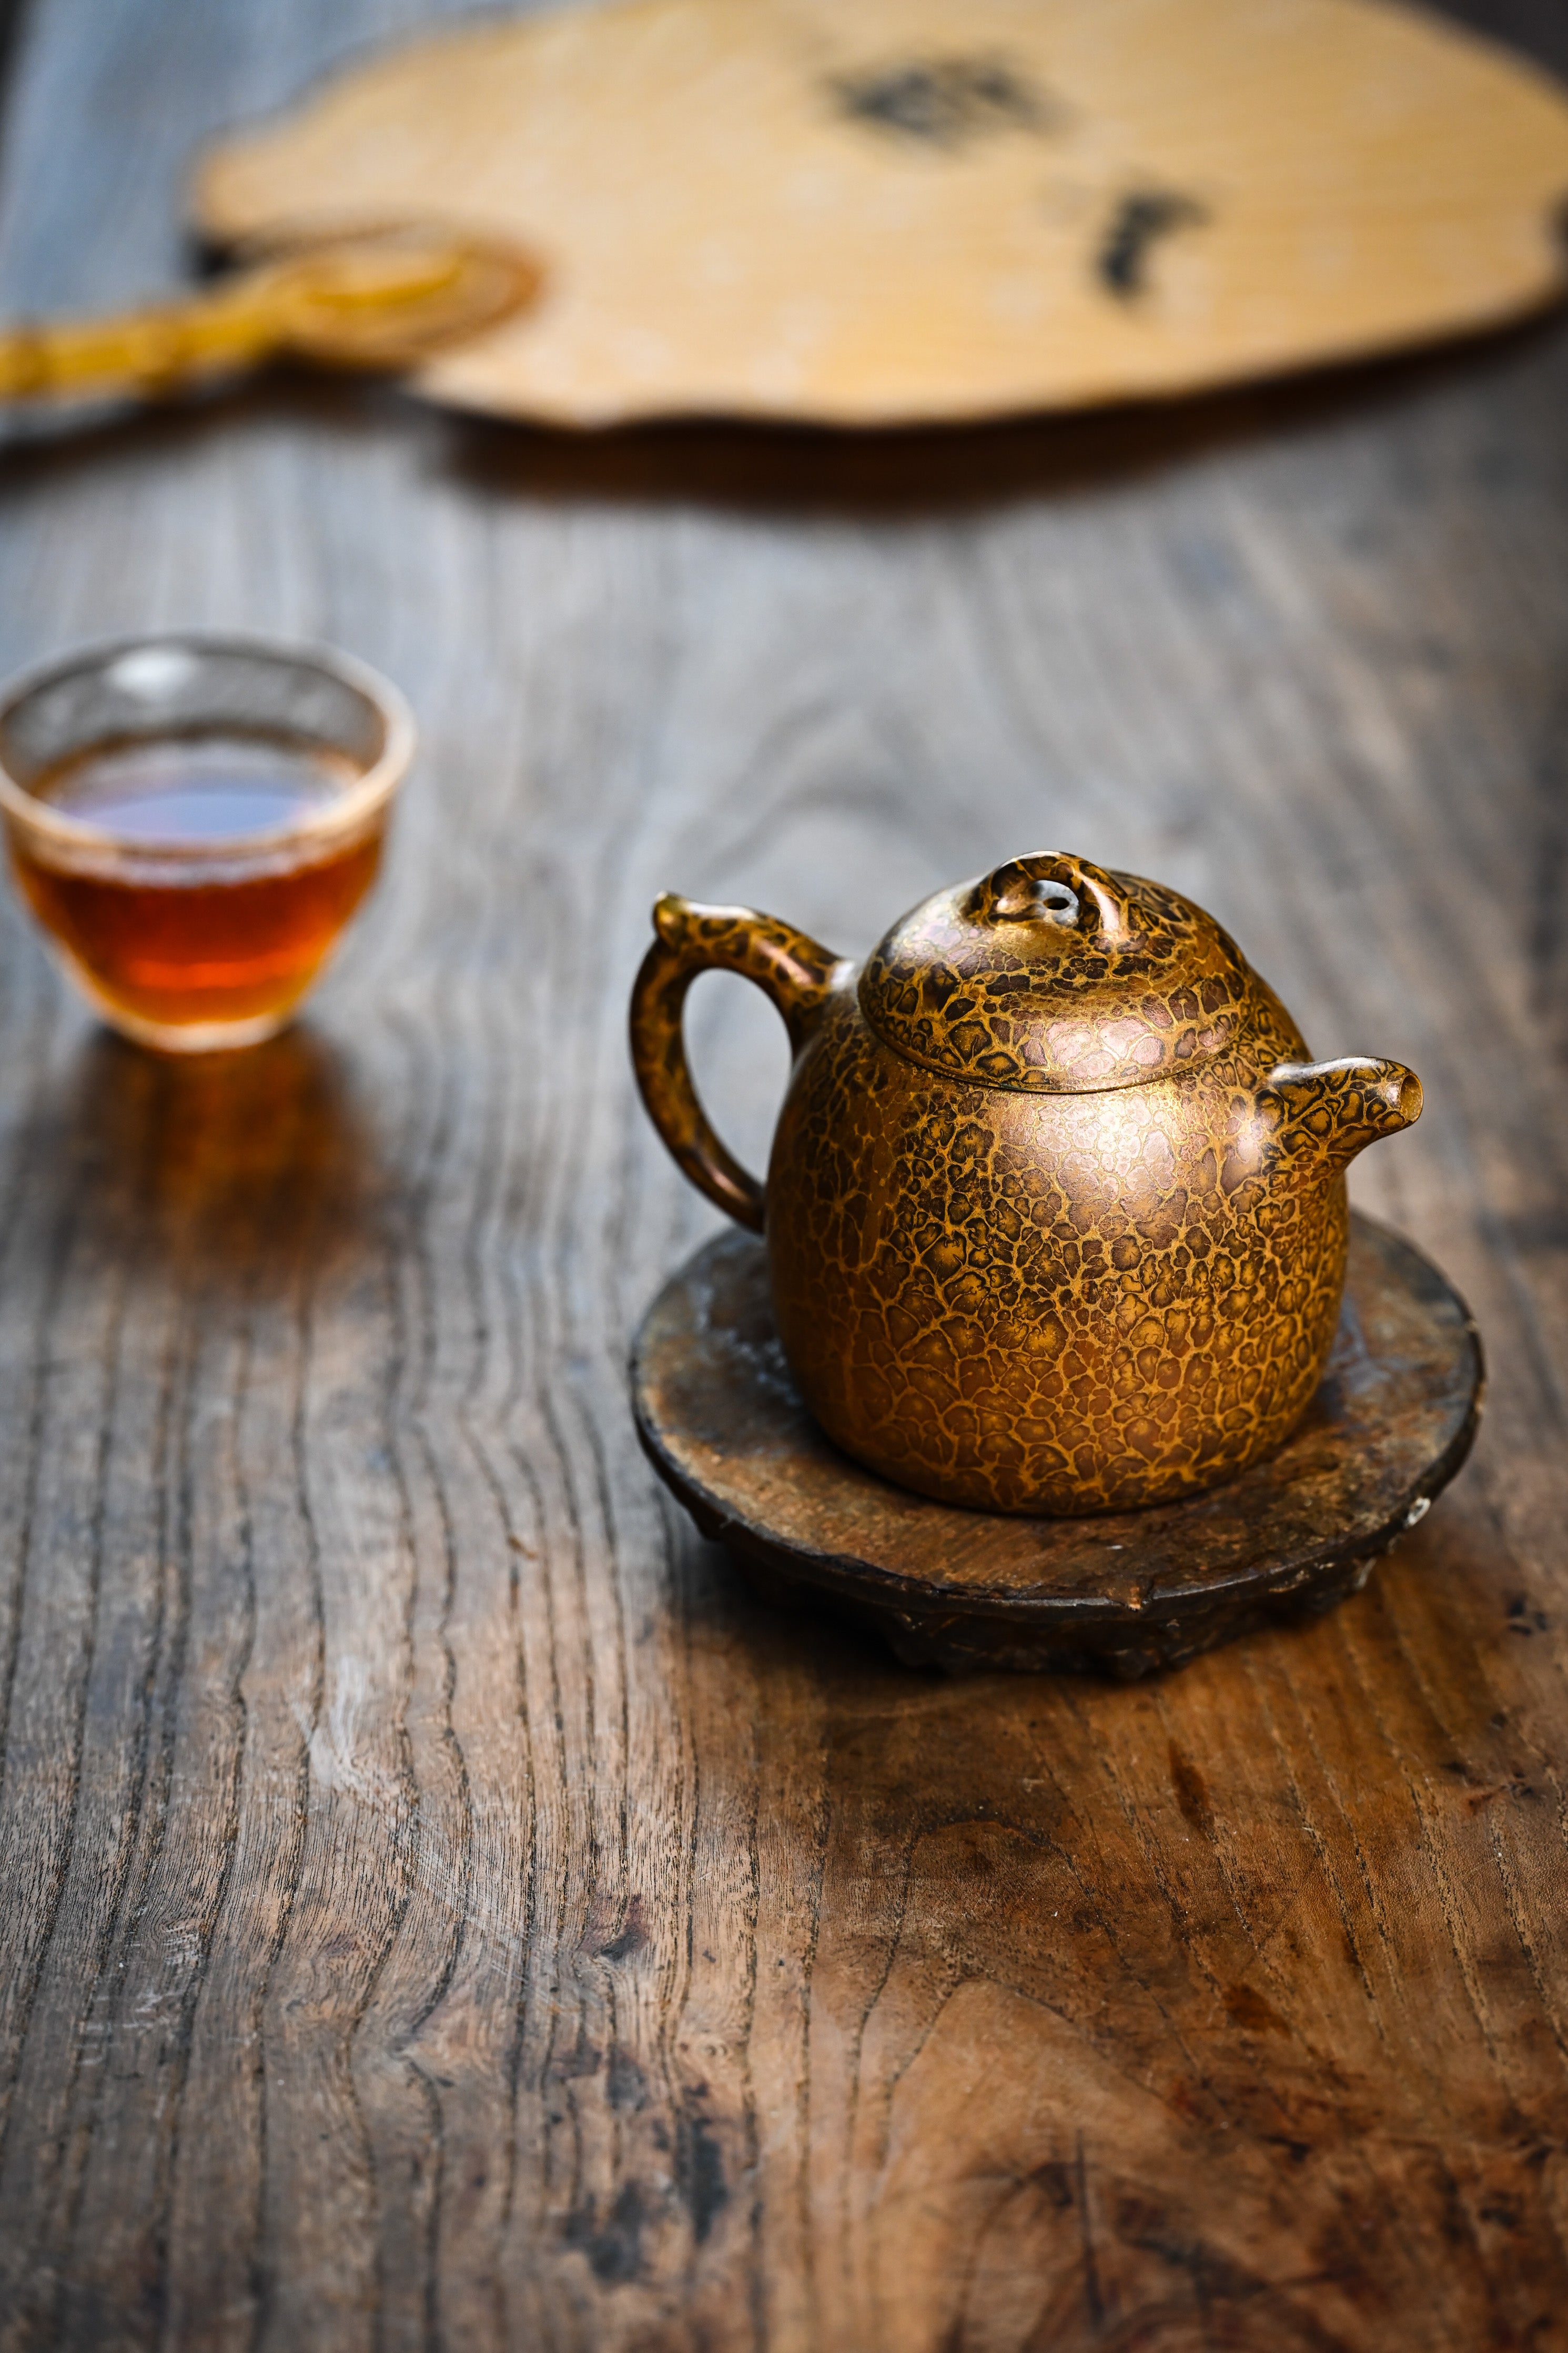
(947,1744)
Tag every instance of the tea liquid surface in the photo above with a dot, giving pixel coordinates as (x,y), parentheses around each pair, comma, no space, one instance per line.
(202,789)
(206,945)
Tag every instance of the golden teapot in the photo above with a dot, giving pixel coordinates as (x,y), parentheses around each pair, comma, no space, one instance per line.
(1056,1208)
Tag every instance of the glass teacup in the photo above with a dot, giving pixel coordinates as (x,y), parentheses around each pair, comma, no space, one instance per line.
(194,819)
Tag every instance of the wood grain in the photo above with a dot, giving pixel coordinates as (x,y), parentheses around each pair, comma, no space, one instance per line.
(439,1909)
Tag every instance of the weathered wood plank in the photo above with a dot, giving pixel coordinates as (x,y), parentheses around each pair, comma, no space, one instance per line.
(439,1907)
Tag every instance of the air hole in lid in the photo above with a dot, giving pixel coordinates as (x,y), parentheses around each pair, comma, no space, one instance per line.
(1055,901)
(1028,897)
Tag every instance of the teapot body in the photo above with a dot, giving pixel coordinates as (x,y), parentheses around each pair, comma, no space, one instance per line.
(1060,1303)
(1056,1208)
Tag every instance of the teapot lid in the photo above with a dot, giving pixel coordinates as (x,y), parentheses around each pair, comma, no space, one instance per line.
(1053,976)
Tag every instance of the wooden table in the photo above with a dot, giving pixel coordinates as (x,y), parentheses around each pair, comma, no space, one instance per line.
(439,1908)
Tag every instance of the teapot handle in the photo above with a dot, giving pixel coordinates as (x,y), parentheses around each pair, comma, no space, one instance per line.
(795,972)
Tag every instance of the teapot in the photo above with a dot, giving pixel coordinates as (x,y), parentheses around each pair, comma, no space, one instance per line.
(1054,1213)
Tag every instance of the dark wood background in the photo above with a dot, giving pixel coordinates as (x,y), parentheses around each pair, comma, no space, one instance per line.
(439,1908)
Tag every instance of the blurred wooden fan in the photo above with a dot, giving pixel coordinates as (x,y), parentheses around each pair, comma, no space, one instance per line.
(903,210)
(378,299)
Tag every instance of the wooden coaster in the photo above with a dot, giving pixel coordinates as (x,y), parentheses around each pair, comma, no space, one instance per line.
(905,212)
(718,1416)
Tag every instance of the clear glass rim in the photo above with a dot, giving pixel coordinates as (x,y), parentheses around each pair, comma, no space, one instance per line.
(346,813)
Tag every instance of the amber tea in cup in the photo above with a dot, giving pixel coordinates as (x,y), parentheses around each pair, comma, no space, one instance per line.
(193,820)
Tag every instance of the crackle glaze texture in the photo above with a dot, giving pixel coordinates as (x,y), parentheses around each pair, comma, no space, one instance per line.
(1056,1213)
(1048,1303)
(1003,982)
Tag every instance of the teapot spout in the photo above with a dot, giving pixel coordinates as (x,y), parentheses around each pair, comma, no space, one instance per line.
(1323,1113)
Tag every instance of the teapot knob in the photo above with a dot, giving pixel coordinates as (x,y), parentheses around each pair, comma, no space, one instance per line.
(1050,886)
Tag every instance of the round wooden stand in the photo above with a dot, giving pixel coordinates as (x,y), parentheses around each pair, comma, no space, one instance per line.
(718,1416)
